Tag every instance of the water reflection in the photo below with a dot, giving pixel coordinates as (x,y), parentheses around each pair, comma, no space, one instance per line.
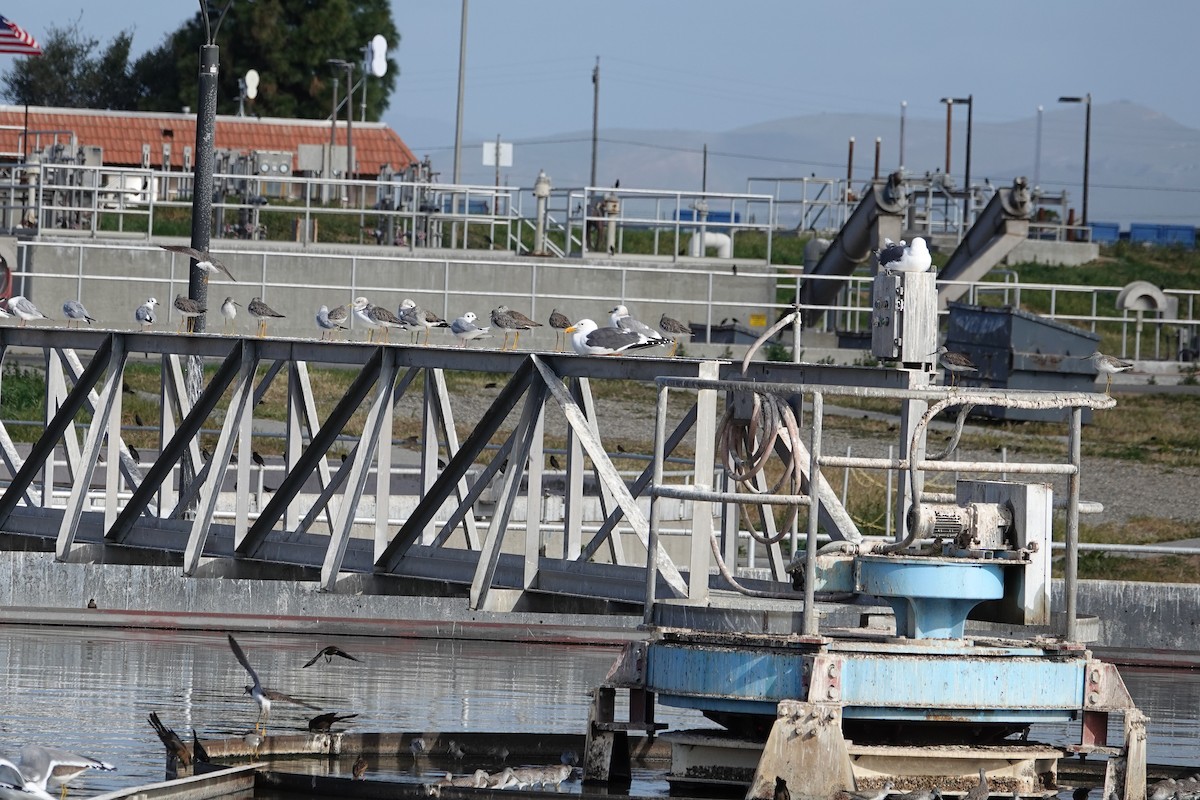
(91,691)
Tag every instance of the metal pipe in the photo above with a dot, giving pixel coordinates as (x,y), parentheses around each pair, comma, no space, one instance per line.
(462,73)
(809,624)
(1071,570)
(595,116)
(903,110)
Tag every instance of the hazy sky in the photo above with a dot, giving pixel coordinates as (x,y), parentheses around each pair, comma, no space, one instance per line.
(697,64)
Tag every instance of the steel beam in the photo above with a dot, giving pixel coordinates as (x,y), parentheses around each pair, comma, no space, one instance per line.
(43,448)
(443,414)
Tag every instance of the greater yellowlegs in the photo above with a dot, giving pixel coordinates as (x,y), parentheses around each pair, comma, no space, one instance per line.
(262,312)
(1109,365)
(674,328)
(559,322)
(956,363)
(207,263)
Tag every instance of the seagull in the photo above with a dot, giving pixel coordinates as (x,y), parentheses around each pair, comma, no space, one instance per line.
(955,363)
(374,316)
(328,653)
(190,309)
(74,311)
(322,723)
(901,257)
(144,314)
(981,790)
(622,321)
(24,309)
(675,329)
(416,317)
(262,312)
(361,306)
(1109,365)
(47,765)
(507,320)
(14,785)
(588,339)
(261,695)
(465,329)
(204,260)
(175,746)
(559,322)
(229,311)
(327,325)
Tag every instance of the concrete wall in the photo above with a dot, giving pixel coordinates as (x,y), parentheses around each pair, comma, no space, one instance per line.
(112,279)
(1152,621)
(1062,254)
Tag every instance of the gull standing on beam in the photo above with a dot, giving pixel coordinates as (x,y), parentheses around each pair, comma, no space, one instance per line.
(144,314)
(327,323)
(204,260)
(25,310)
(261,694)
(416,317)
(74,311)
(588,339)
(465,329)
(621,320)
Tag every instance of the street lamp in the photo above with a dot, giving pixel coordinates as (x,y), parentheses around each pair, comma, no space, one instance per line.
(339,63)
(1087,145)
(969,102)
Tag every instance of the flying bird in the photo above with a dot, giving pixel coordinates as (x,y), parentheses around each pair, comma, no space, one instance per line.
(621,320)
(144,314)
(328,653)
(902,257)
(507,320)
(1109,366)
(323,723)
(42,766)
(262,312)
(559,322)
(261,694)
(465,329)
(23,309)
(189,309)
(205,261)
(229,311)
(74,311)
(170,739)
(674,328)
(956,363)
(588,339)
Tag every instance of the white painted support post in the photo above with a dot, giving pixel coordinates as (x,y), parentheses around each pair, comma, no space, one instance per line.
(116,449)
(429,451)
(444,415)
(533,501)
(700,558)
(245,447)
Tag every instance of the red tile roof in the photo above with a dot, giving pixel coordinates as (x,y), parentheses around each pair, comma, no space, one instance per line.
(122,134)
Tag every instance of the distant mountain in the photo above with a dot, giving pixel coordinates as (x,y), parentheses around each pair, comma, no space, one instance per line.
(1144,166)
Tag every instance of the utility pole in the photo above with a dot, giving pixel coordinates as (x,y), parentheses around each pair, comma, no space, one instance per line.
(595,115)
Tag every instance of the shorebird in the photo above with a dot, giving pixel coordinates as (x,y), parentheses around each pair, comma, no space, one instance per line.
(23,309)
(339,316)
(322,723)
(921,794)
(144,314)
(204,260)
(262,312)
(189,309)
(879,794)
(74,311)
(229,311)
(1109,365)
(261,694)
(559,322)
(588,339)
(955,363)
(360,768)
(465,329)
(374,316)
(42,766)
(674,328)
(981,790)
(175,746)
(328,653)
(507,320)
(621,320)
(416,317)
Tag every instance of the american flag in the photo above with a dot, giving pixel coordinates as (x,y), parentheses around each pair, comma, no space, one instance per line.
(14,39)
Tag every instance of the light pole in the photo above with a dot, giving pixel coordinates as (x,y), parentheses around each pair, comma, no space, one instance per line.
(339,63)
(1087,144)
(903,109)
(969,102)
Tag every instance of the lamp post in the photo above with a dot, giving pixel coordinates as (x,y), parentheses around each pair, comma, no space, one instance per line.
(1087,144)
(903,109)
(969,102)
(338,63)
